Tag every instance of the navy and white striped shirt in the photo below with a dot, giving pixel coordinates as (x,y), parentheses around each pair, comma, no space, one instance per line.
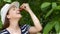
(24,30)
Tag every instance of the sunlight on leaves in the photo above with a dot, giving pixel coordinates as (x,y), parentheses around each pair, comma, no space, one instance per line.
(45,5)
(7,0)
(54,4)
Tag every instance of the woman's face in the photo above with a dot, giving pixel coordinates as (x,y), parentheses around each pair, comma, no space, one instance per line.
(14,13)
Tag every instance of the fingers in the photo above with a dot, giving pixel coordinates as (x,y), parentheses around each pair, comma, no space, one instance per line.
(21,7)
(24,5)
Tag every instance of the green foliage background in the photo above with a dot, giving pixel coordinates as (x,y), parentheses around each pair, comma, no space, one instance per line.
(47,11)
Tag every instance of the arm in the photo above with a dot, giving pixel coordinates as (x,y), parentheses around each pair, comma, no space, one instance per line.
(37,26)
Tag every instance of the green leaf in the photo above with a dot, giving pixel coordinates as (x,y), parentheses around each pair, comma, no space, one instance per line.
(57,27)
(49,13)
(45,5)
(7,0)
(48,27)
(57,8)
(54,5)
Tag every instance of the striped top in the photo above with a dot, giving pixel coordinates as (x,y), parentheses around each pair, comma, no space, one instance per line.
(24,30)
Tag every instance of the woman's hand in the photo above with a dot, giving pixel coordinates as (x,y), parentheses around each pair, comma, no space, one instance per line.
(25,6)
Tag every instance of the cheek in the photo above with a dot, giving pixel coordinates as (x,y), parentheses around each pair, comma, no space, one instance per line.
(12,14)
(15,15)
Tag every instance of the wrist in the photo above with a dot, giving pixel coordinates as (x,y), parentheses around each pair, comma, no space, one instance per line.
(29,10)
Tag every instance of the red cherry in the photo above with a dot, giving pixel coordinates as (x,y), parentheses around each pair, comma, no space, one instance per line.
(20,9)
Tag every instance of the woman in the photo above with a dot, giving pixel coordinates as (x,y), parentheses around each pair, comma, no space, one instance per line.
(10,15)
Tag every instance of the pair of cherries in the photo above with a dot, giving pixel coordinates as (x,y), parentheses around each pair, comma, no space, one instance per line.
(21,8)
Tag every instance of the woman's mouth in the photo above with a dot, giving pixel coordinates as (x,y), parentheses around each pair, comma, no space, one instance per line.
(18,13)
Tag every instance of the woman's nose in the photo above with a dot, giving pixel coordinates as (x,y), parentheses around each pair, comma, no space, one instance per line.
(17,9)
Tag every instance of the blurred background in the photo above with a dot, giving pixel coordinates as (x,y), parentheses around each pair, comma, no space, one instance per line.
(47,11)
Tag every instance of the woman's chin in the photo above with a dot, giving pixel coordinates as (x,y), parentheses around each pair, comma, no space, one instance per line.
(19,16)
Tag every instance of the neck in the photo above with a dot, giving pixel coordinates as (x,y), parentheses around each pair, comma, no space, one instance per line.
(14,24)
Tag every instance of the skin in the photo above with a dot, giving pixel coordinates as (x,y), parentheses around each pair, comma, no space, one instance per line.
(14,17)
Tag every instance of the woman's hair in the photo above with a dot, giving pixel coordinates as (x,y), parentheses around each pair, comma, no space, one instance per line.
(6,23)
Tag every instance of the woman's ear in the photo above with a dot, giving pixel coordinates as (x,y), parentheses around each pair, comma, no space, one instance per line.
(8,16)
